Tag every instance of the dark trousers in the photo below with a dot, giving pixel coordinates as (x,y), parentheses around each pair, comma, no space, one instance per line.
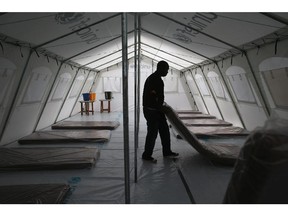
(156,122)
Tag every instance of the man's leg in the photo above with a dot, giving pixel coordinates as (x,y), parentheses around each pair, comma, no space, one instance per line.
(152,132)
(164,134)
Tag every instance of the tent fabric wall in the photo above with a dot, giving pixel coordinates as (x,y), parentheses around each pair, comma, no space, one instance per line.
(13,61)
(33,89)
(267,54)
(195,92)
(73,95)
(86,89)
(182,101)
(57,96)
(231,45)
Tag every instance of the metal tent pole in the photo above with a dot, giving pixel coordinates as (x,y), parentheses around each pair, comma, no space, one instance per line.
(125,106)
(135,98)
(139,68)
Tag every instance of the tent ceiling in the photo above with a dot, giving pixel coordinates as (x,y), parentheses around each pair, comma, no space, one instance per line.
(163,35)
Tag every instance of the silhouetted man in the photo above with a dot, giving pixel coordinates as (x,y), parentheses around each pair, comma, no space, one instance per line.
(153,99)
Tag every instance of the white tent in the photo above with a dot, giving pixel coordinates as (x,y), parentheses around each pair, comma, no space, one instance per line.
(237,60)
(230,65)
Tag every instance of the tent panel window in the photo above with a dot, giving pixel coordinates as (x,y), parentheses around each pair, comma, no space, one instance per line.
(277,81)
(170,84)
(112,84)
(76,86)
(202,85)
(241,88)
(217,85)
(37,85)
(240,84)
(192,84)
(7,69)
(61,86)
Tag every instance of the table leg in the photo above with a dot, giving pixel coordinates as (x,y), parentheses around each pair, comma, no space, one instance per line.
(82,108)
(92,108)
(101,107)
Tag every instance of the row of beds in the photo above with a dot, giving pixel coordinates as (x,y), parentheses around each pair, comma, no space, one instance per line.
(188,125)
(39,151)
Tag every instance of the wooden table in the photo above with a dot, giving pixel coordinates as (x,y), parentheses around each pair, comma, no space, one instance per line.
(85,107)
(102,105)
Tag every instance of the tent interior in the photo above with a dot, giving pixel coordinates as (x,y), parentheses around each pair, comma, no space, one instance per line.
(231,66)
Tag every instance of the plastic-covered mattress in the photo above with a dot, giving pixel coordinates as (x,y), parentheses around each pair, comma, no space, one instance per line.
(206,122)
(98,125)
(33,194)
(62,136)
(47,158)
(195,116)
(220,153)
(220,130)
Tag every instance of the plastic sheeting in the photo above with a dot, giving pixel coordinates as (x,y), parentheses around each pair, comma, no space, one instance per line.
(33,194)
(260,174)
(205,122)
(158,183)
(12,159)
(100,125)
(70,136)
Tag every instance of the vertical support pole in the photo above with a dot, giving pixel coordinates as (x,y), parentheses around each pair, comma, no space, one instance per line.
(139,68)
(136,98)
(125,106)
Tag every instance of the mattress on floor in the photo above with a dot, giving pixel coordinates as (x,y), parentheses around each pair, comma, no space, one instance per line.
(33,194)
(220,130)
(188,112)
(194,116)
(39,158)
(205,122)
(64,136)
(99,125)
(219,153)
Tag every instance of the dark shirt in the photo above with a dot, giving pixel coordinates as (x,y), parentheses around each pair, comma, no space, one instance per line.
(153,93)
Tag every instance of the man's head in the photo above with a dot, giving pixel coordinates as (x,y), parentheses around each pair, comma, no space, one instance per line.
(162,68)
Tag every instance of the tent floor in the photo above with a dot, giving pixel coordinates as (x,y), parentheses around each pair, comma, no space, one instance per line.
(158,183)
